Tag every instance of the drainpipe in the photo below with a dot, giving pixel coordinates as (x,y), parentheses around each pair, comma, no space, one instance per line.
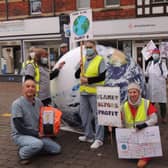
(6,2)
(54,5)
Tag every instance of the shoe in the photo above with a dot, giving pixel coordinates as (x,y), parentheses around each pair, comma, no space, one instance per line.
(142,163)
(24,161)
(96,144)
(85,139)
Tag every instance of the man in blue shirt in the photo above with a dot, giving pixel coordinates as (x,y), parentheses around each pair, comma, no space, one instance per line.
(25,125)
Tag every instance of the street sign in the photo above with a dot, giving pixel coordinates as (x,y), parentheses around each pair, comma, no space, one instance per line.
(81,25)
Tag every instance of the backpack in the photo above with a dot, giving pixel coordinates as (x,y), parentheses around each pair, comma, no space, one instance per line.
(49,122)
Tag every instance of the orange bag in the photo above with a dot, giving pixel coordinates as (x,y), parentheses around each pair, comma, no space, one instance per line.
(50,120)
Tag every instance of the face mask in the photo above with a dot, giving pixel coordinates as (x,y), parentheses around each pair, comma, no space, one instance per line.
(90,52)
(44,60)
(32,55)
(156,56)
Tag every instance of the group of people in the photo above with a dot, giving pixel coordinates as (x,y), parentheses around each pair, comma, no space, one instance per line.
(137,112)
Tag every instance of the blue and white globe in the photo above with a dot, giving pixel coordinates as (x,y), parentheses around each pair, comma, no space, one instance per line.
(121,70)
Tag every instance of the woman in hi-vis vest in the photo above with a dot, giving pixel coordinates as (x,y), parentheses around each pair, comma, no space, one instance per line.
(138,113)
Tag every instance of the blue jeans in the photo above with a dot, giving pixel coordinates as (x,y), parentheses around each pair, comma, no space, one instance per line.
(88,110)
(30,146)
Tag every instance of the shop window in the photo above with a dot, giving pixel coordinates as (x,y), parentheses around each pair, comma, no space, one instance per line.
(83,4)
(11,60)
(35,7)
(112,3)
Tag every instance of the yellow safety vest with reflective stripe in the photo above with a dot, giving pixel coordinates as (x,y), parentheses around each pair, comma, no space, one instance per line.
(37,75)
(141,114)
(92,71)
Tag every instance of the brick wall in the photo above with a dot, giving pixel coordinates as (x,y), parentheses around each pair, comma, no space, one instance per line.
(20,9)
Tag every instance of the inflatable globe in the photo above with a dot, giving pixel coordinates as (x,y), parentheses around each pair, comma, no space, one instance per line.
(65,88)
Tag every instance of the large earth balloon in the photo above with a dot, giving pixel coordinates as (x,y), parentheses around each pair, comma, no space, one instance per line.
(65,88)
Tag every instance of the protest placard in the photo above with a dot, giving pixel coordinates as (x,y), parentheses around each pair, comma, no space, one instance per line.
(108,106)
(133,144)
(147,51)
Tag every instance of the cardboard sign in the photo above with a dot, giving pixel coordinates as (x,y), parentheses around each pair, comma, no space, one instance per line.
(133,144)
(108,106)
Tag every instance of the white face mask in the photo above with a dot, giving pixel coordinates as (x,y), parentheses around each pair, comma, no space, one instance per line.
(156,56)
(44,60)
(32,55)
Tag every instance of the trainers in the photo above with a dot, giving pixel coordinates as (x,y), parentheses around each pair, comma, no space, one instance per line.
(96,144)
(142,163)
(85,139)
(24,161)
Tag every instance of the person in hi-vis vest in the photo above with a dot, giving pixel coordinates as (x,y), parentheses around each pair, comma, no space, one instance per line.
(91,75)
(39,71)
(138,113)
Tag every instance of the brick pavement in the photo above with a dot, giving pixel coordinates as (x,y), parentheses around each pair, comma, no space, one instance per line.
(74,154)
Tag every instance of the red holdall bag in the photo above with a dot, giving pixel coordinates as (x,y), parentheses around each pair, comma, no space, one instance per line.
(50,120)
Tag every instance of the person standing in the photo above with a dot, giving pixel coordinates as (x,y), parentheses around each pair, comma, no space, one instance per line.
(157,72)
(92,75)
(63,50)
(138,113)
(25,125)
(39,71)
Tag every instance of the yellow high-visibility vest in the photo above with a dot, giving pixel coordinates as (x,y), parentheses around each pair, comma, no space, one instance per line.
(92,71)
(141,115)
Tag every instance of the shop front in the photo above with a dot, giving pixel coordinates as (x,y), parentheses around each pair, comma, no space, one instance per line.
(16,37)
(131,35)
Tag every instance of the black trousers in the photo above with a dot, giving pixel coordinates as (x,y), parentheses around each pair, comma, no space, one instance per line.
(163,109)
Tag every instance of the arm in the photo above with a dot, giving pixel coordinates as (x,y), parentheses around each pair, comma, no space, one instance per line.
(54,74)
(29,72)
(18,122)
(152,118)
(99,78)
(77,73)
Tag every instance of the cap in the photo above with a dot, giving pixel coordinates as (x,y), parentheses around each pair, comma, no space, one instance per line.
(63,45)
(156,50)
(134,86)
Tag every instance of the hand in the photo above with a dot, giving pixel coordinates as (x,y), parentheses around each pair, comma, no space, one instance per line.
(61,64)
(83,80)
(141,126)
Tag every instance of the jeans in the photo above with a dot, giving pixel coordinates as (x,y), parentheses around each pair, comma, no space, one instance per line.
(30,146)
(88,110)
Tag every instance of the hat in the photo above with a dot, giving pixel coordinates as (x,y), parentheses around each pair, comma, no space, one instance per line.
(63,45)
(134,86)
(156,50)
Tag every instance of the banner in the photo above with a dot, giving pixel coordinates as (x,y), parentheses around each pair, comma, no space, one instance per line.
(134,144)
(147,51)
(108,106)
